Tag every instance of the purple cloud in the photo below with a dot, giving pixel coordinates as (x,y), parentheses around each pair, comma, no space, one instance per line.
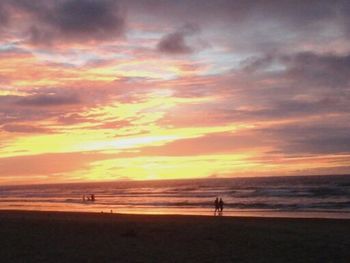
(176,43)
(48,100)
(24,128)
(71,20)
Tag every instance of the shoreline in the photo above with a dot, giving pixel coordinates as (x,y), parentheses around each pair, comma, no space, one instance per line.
(205,213)
(34,236)
(80,213)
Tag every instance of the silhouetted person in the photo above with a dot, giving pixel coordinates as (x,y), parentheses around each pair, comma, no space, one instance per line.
(221,205)
(92,197)
(216,205)
(84,198)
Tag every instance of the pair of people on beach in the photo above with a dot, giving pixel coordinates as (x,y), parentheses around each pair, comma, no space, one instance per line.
(89,197)
(219,205)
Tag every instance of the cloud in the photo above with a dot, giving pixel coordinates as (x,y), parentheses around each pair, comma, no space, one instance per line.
(48,100)
(176,43)
(329,70)
(113,124)
(48,164)
(290,109)
(71,20)
(343,15)
(248,25)
(277,67)
(4,16)
(11,112)
(73,118)
(68,104)
(209,144)
(300,71)
(24,128)
(22,112)
(256,26)
(310,138)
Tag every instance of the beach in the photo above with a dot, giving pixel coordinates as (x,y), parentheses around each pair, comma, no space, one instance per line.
(28,236)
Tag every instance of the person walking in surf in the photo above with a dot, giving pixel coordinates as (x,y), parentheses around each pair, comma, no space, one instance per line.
(221,205)
(216,205)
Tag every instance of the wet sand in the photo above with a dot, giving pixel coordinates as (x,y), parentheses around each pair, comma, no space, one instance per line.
(96,237)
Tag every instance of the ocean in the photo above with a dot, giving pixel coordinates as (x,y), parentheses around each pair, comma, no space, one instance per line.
(302,196)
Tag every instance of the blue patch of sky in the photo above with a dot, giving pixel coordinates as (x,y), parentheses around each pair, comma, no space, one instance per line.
(219,61)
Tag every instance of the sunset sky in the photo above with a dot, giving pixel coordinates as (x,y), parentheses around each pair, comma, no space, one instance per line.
(94,90)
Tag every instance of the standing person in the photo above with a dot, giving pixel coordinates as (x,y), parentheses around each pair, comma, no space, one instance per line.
(221,205)
(216,205)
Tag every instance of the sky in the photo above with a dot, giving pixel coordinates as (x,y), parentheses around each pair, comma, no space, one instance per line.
(102,90)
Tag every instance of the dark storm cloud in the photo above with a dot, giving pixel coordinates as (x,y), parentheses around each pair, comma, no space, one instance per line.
(239,10)
(316,138)
(295,85)
(72,20)
(295,108)
(343,15)
(255,26)
(174,44)
(87,19)
(324,70)
(4,16)
(177,42)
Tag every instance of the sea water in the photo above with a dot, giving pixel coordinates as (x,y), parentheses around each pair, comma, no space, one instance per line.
(302,196)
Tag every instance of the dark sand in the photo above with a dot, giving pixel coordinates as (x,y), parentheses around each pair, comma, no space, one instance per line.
(89,237)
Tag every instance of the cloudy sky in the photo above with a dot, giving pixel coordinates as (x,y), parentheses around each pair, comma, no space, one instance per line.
(95,90)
